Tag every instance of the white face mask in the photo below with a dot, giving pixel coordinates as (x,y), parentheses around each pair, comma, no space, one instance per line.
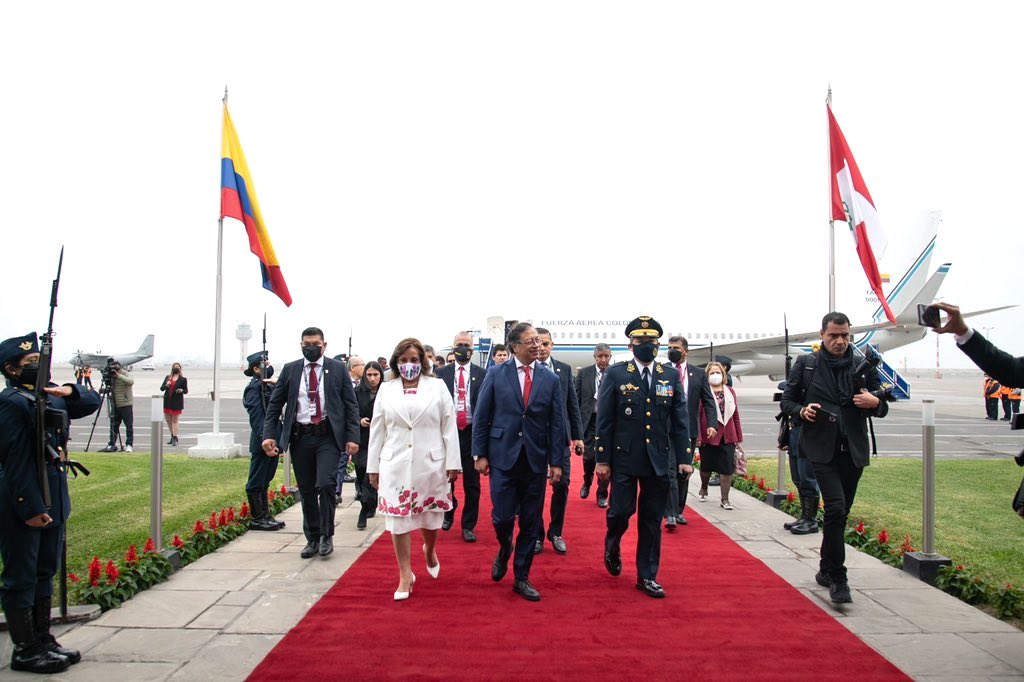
(715,379)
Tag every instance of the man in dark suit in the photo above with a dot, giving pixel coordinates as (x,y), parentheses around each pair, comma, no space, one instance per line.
(821,391)
(320,422)
(573,442)
(518,437)
(464,380)
(698,392)
(588,382)
(1000,365)
(641,421)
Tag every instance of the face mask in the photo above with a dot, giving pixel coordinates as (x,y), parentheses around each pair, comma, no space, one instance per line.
(409,370)
(645,352)
(269,372)
(715,379)
(312,353)
(29,374)
(176,370)
(675,356)
(462,354)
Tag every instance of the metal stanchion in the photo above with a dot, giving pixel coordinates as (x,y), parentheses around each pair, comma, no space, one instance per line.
(925,564)
(156,479)
(777,496)
(288,469)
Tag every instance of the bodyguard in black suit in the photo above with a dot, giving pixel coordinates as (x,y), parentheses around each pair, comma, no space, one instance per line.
(698,392)
(320,421)
(472,378)
(573,441)
(641,421)
(834,436)
(998,364)
(31,533)
(588,381)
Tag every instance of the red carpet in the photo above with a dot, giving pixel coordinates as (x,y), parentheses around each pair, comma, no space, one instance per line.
(727,616)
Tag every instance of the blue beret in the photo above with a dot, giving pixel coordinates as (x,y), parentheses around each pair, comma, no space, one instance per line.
(12,350)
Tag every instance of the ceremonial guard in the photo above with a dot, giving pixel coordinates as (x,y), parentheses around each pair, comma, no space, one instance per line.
(641,421)
(262,466)
(31,534)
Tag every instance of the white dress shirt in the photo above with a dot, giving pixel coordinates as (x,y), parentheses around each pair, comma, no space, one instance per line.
(303,415)
(464,369)
(522,374)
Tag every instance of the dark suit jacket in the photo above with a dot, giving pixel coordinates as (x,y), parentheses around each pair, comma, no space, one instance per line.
(816,384)
(1003,367)
(631,427)
(476,380)
(699,394)
(502,428)
(342,411)
(586,385)
(365,399)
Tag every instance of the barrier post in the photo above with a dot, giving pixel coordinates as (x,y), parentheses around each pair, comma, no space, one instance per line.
(925,564)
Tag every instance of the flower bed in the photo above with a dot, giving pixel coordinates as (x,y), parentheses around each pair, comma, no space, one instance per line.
(1006,600)
(111,585)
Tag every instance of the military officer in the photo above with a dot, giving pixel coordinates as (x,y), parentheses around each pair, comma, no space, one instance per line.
(30,533)
(262,467)
(641,420)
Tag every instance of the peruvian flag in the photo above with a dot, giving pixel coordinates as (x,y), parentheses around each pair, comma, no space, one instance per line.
(852,204)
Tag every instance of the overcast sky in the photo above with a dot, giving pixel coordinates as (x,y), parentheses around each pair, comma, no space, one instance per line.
(422,165)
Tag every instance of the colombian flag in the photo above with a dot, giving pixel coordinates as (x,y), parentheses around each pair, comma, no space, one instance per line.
(238,200)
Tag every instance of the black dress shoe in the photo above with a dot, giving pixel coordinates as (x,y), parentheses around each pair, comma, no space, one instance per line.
(559,544)
(670,523)
(613,562)
(839,592)
(526,590)
(602,502)
(650,587)
(822,579)
(326,546)
(310,550)
(447,523)
(584,492)
(681,521)
(468,535)
(500,566)
(538,547)
(54,647)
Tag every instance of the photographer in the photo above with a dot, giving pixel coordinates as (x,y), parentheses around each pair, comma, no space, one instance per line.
(1000,365)
(834,395)
(117,383)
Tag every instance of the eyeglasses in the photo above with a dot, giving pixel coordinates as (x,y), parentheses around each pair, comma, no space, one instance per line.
(535,341)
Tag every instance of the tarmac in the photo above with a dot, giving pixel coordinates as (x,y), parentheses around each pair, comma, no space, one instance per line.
(218,617)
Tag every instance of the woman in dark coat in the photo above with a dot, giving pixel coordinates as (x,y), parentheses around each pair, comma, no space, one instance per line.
(175,387)
(366,394)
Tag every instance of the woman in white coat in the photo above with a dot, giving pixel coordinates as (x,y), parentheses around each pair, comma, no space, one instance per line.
(413,456)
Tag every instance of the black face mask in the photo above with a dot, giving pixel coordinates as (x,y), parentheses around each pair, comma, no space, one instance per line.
(29,374)
(462,354)
(675,356)
(175,371)
(645,352)
(312,353)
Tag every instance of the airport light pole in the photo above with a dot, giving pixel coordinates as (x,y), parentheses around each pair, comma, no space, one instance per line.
(988,332)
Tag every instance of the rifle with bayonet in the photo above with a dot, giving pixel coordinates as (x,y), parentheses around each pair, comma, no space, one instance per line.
(263,367)
(45,358)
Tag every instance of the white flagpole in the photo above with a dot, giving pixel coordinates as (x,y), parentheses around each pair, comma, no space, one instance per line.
(217,314)
(831,222)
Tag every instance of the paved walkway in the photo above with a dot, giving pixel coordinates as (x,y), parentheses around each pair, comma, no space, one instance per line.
(218,617)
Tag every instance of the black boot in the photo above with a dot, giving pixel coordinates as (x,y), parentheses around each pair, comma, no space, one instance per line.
(42,618)
(268,520)
(29,653)
(803,506)
(808,524)
(361,523)
(256,520)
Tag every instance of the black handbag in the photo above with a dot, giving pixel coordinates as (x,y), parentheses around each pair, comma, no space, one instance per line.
(1018,500)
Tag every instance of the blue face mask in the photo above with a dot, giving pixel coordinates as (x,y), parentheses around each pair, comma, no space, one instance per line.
(409,370)
(645,352)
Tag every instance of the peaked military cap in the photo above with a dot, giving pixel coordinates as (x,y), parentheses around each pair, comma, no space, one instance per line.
(12,350)
(644,326)
(252,361)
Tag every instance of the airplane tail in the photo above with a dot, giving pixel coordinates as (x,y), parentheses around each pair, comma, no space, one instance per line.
(147,346)
(925,294)
(905,294)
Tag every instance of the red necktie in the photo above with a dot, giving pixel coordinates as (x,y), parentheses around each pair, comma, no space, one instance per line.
(683,378)
(527,385)
(460,417)
(314,396)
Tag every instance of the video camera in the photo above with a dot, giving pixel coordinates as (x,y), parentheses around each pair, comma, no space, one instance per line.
(110,371)
(860,376)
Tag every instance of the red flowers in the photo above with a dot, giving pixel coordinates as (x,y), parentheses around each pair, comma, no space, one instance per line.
(270,495)
(222,520)
(860,528)
(883,537)
(760,484)
(130,556)
(284,491)
(94,572)
(791,497)
(244,513)
(198,528)
(74,578)
(212,523)
(177,542)
(231,514)
(150,547)
(112,573)
(906,546)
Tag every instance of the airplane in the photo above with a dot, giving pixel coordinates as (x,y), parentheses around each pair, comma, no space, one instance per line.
(751,353)
(98,360)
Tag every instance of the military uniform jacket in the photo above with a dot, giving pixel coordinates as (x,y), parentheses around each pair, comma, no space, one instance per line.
(254,405)
(632,426)
(21,496)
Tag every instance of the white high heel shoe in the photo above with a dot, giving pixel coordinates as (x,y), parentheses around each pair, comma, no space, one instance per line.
(434,570)
(402,596)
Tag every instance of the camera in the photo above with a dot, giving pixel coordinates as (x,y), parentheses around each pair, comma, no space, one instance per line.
(860,376)
(928,316)
(109,373)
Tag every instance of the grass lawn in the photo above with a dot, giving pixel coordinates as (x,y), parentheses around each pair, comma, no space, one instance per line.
(110,508)
(974,523)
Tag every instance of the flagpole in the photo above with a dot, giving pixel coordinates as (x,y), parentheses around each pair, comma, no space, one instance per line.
(831,221)
(217,314)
